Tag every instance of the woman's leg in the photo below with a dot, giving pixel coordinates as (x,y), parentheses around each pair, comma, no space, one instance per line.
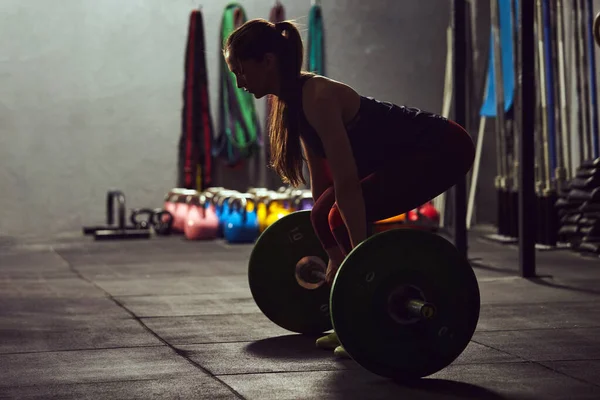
(403,185)
(411,180)
(319,216)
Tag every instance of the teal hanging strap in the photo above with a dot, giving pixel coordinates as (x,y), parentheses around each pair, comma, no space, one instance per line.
(316,52)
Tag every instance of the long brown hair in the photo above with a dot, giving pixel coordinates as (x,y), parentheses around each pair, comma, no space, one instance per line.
(253,40)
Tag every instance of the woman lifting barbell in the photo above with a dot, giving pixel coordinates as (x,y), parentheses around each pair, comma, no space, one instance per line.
(368,160)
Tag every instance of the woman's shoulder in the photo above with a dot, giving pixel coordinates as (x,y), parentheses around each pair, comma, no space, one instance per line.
(315,85)
(325,96)
(317,88)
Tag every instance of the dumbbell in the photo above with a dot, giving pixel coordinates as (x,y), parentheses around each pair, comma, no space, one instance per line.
(404,303)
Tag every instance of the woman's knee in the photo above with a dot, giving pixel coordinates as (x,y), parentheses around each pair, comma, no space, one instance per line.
(338,229)
(319,216)
(334,218)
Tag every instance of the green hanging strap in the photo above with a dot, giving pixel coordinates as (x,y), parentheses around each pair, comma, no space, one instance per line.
(316,52)
(239,129)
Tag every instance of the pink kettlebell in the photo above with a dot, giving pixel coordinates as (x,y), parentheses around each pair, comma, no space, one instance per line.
(211,212)
(171,200)
(181,209)
(200,225)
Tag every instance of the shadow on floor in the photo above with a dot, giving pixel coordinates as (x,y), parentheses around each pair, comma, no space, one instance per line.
(544,282)
(478,263)
(351,381)
(293,347)
(426,388)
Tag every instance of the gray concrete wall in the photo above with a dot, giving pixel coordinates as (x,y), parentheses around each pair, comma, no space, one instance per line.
(90,92)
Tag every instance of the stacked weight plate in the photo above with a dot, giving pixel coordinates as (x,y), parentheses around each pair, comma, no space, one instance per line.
(579,210)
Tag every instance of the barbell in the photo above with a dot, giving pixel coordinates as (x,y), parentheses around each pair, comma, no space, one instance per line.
(404,303)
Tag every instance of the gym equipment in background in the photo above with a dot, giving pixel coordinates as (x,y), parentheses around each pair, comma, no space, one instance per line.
(499,98)
(239,129)
(195,142)
(119,230)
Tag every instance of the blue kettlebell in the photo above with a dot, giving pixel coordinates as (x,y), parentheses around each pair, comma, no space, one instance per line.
(222,207)
(241,225)
(212,195)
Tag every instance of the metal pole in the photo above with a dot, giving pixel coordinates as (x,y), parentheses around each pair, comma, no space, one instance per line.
(460,116)
(526,115)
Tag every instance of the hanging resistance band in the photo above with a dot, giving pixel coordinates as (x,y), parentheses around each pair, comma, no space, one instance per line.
(316,53)
(195,143)
(239,130)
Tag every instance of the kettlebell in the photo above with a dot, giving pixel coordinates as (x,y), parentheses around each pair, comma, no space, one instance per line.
(261,209)
(214,190)
(304,201)
(293,197)
(241,225)
(211,219)
(210,206)
(145,221)
(222,207)
(218,199)
(181,209)
(255,193)
(170,203)
(162,222)
(276,208)
(428,211)
(200,224)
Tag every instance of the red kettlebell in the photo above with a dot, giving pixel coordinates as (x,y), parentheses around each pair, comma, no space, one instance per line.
(413,215)
(429,211)
(199,224)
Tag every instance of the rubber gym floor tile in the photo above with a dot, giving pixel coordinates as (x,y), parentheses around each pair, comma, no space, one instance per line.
(24,334)
(545,344)
(496,317)
(56,307)
(187,387)
(72,287)
(292,352)
(504,381)
(197,304)
(146,285)
(520,381)
(484,274)
(515,290)
(17,261)
(214,328)
(476,353)
(161,269)
(557,263)
(276,354)
(160,258)
(41,272)
(85,366)
(137,254)
(587,370)
(34,266)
